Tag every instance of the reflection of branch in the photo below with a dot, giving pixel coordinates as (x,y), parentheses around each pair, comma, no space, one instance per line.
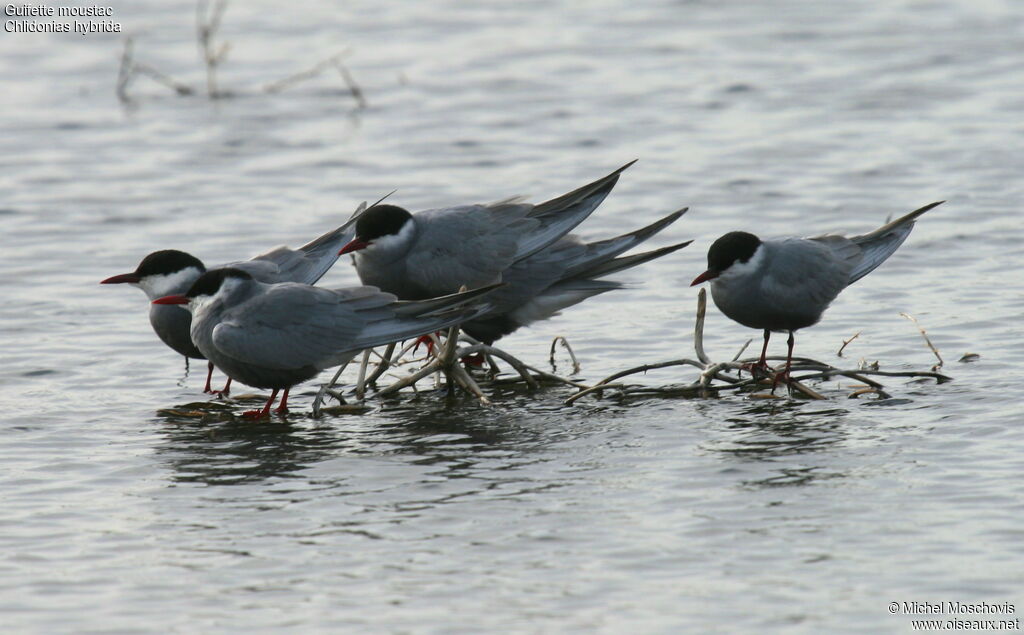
(163,78)
(301,76)
(353,87)
(315,70)
(130,68)
(209,17)
(207,24)
(124,73)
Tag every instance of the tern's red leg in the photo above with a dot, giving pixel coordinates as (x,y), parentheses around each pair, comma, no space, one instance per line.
(225,392)
(209,376)
(784,375)
(259,414)
(761,365)
(282,408)
(426,340)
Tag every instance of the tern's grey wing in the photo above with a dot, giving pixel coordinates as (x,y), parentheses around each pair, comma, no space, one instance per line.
(844,250)
(560,215)
(803,274)
(470,245)
(884,241)
(296,326)
(306,264)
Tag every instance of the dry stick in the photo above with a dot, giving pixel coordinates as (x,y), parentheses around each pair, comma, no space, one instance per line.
(698,327)
(839,353)
(360,386)
(408,380)
(869,391)
(382,366)
(572,355)
(326,390)
(592,389)
(742,348)
(606,382)
(455,372)
(926,339)
(516,365)
(551,376)
(813,394)
(206,30)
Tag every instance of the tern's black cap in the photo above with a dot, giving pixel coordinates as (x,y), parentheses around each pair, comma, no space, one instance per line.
(167,261)
(381,220)
(730,248)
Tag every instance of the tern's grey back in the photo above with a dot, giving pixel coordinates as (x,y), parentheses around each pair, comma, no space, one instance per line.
(795,281)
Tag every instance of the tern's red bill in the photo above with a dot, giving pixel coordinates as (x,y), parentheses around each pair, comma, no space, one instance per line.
(704,277)
(124,277)
(354,245)
(172,299)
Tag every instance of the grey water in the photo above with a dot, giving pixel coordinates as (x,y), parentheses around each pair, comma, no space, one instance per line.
(120,513)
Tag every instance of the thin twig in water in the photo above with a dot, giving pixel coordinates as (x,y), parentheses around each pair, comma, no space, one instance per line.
(926,339)
(382,367)
(742,348)
(560,339)
(839,353)
(360,385)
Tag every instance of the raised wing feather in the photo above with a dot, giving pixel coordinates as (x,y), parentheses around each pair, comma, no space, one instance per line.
(470,245)
(306,265)
(884,241)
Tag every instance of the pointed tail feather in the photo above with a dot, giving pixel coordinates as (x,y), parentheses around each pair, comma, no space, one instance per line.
(560,215)
(426,307)
(877,246)
(625,262)
(602,251)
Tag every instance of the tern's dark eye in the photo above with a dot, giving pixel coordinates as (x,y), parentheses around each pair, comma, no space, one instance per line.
(381,220)
(210,282)
(166,262)
(730,248)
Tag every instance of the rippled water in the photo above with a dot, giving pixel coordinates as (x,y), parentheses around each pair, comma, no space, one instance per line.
(647,515)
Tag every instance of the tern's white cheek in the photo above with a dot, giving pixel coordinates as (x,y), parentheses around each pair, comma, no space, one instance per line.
(740,270)
(390,243)
(158,286)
